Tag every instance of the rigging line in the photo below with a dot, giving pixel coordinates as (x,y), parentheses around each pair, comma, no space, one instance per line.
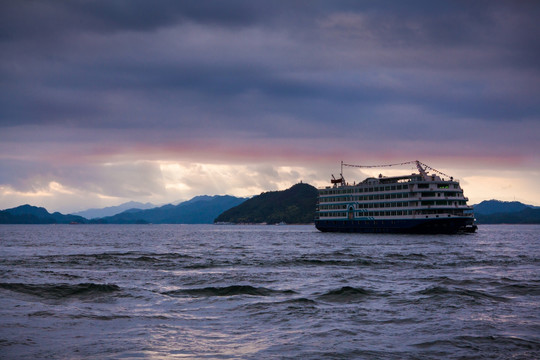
(432,169)
(376,166)
(398,164)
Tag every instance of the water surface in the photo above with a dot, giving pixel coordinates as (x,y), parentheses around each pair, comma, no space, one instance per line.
(267,292)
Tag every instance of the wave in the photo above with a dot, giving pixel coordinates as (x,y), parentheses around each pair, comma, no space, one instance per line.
(444,292)
(59,274)
(99,317)
(301,300)
(468,261)
(346,294)
(146,258)
(485,344)
(326,262)
(136,259)
(59,291)
(228,291)
(523,289)
(504,285)
(293,306)
(456,282)
(411,256)
(106,256)
(273,263)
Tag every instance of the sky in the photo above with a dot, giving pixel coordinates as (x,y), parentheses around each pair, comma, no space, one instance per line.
(103,102)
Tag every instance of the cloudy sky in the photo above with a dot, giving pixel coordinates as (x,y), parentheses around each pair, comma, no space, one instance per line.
(103,102)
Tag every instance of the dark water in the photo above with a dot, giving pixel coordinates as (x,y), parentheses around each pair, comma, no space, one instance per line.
(267,292)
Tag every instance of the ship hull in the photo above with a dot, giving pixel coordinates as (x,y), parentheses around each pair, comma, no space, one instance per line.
(402,226)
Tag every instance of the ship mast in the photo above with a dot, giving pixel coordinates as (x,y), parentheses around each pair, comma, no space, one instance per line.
(421,170)
(341,180)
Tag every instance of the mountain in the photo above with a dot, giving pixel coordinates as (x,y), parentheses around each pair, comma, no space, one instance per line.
(27,214)
(506,212)
(526,216)
(488,207)
(295,205)
(113,210)
(199,210)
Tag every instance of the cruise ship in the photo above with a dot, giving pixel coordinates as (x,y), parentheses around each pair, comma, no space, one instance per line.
(416,203)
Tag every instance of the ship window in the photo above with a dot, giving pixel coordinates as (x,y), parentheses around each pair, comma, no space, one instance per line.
(393,187)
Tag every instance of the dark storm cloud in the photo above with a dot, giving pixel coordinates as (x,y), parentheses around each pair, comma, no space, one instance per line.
(23,19)
(241,67)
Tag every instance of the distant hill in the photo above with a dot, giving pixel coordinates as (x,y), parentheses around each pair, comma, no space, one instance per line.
(199,210)
(488,207)
(295,205)
(526,216)
(506,212)
(113,210)
(27,214)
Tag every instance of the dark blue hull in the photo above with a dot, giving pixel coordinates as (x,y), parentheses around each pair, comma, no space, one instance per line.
(404,226)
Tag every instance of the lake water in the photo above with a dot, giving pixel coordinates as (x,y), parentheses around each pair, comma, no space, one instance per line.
(267,292)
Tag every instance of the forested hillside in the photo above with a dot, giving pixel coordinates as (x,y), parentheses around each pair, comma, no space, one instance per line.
(295,205)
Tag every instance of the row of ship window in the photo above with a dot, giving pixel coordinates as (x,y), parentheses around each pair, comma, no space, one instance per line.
(394,204)
(365,197)
(385,196)
(382,188)
(390,213)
